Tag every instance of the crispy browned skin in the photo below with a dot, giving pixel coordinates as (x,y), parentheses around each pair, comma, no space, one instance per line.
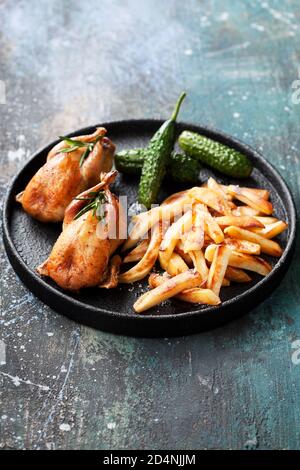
(80,256)
(113,270)
(61,178)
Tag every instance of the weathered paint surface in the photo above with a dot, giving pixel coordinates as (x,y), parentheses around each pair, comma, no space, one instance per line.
(70,64)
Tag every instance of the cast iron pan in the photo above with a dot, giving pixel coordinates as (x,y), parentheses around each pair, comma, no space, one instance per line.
(29,242)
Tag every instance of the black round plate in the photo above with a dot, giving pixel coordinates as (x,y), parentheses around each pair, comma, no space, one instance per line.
(29,242)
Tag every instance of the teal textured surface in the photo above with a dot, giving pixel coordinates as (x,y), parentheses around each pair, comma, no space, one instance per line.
(68,65)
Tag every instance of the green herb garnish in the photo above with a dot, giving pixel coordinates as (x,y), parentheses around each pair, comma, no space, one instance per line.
(96,199)
(76,144)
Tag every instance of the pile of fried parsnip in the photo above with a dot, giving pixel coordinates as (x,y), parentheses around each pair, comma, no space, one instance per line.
(204,238)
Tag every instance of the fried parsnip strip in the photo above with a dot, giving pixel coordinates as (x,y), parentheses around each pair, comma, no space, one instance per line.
(211,183)
(251,199)
(172,205)
(168,289)
(245,210)
(199,263)
(179,248)
(237,275)
(213,229)
(173,266)
(141,227)
(243,246)
(267,246)
(196,295)
(137,253)
(263,193)
(194,239)
(210,198)
(271,230)
(175,197)
(146,220)
(218,268)
(232,205)
(265,220)
(242,221)
(243,261)
(112,278)
(141,269)
(215,186)
(207,240)
(174,233)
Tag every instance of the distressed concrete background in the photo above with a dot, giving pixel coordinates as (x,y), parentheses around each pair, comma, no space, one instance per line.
(69,64)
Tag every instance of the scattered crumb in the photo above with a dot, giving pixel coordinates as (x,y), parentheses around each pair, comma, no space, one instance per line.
(111,425)
(65,427)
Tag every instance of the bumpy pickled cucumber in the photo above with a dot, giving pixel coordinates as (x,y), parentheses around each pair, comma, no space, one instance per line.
(156,158)
(183,168)
(180,167)
(130,161)
(216,155)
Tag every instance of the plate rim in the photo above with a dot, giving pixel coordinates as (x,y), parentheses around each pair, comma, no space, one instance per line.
(146,318)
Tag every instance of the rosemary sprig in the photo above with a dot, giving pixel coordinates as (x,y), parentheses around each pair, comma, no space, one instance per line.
(76,144)
(96,199)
